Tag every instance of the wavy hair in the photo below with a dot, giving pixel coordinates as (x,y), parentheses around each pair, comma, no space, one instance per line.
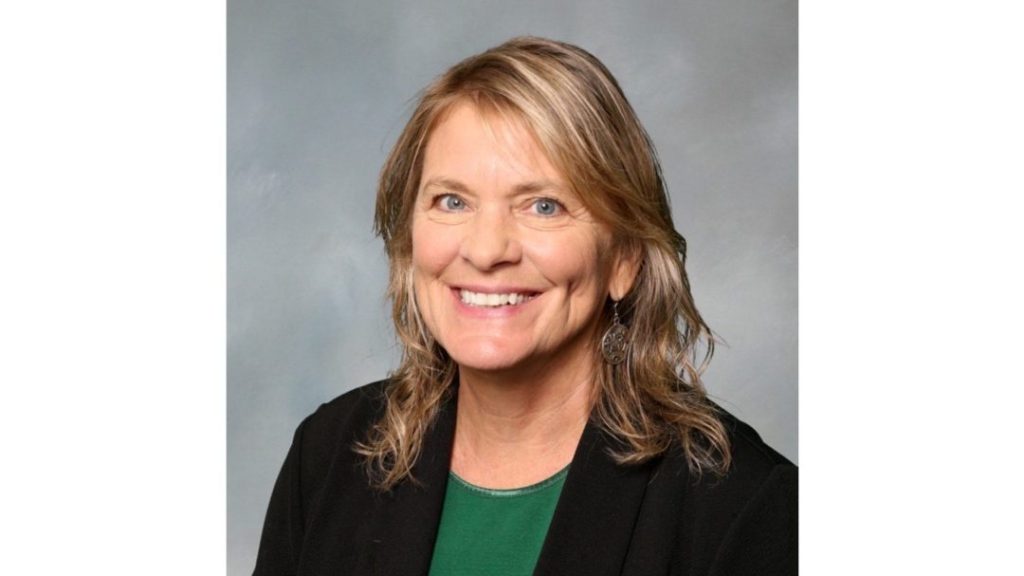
(575,109)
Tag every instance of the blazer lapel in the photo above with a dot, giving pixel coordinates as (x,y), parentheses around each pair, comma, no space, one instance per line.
(596,512)
(409,520)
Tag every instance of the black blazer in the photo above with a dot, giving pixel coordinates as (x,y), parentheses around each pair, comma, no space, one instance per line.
(654,518)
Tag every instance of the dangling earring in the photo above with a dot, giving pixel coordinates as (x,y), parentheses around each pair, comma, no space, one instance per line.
(614,343)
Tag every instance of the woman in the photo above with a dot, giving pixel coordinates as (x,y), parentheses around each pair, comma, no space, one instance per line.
(547,416)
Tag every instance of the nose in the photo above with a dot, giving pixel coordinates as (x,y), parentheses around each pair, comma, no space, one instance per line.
(491,240)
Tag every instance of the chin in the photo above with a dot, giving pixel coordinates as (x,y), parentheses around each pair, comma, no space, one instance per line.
(486,354)
(485,361)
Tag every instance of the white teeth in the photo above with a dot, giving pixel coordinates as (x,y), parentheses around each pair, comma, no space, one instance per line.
(491,300)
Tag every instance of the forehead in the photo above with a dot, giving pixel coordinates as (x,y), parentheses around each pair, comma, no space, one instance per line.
(474,142)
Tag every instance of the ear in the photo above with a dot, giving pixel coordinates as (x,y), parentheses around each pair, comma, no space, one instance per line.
(625,268)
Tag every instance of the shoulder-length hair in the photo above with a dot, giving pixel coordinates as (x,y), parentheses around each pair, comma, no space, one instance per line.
(579,116)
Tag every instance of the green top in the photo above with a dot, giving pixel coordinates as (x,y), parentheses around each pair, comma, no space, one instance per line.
(493,532)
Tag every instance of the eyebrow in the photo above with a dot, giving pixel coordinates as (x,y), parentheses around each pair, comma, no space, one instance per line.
(446,183)
(522,188)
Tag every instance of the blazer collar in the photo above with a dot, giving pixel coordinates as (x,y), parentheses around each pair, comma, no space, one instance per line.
(408,526)
(589,533)
(596,514)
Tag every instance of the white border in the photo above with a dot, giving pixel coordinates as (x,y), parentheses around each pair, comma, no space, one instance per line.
(910,279)
(112,320)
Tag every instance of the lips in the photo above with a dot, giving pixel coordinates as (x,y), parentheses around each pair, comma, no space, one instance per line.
(494,300)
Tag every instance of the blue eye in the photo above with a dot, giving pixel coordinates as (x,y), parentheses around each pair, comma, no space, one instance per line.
(547,207)
(452,203)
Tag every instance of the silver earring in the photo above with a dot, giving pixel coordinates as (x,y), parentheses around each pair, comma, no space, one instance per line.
(614,343)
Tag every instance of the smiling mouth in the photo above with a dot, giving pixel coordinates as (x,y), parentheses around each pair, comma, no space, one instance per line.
(483,300)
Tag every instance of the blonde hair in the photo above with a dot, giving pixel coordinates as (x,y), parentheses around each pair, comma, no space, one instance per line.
(581,119)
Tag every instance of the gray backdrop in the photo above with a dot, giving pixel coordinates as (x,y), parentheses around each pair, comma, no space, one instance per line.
(317,93)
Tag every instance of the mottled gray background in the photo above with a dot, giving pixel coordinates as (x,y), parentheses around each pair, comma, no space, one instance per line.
(317,93)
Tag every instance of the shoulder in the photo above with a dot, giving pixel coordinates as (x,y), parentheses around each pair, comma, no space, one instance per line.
(755,470)
(367,397)
(329,434)
(321,462)
(746,519)
(346,413)
(753,461)
(752,464)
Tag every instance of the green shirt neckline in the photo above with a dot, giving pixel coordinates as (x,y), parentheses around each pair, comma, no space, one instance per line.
(510,492)
(498,532)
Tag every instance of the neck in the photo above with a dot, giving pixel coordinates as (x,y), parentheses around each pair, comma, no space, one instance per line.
(513,432)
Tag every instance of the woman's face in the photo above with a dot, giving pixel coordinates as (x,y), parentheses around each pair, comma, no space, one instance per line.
(510,270)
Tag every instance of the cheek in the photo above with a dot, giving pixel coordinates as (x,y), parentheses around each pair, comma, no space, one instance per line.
(433,248)
(574,261)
